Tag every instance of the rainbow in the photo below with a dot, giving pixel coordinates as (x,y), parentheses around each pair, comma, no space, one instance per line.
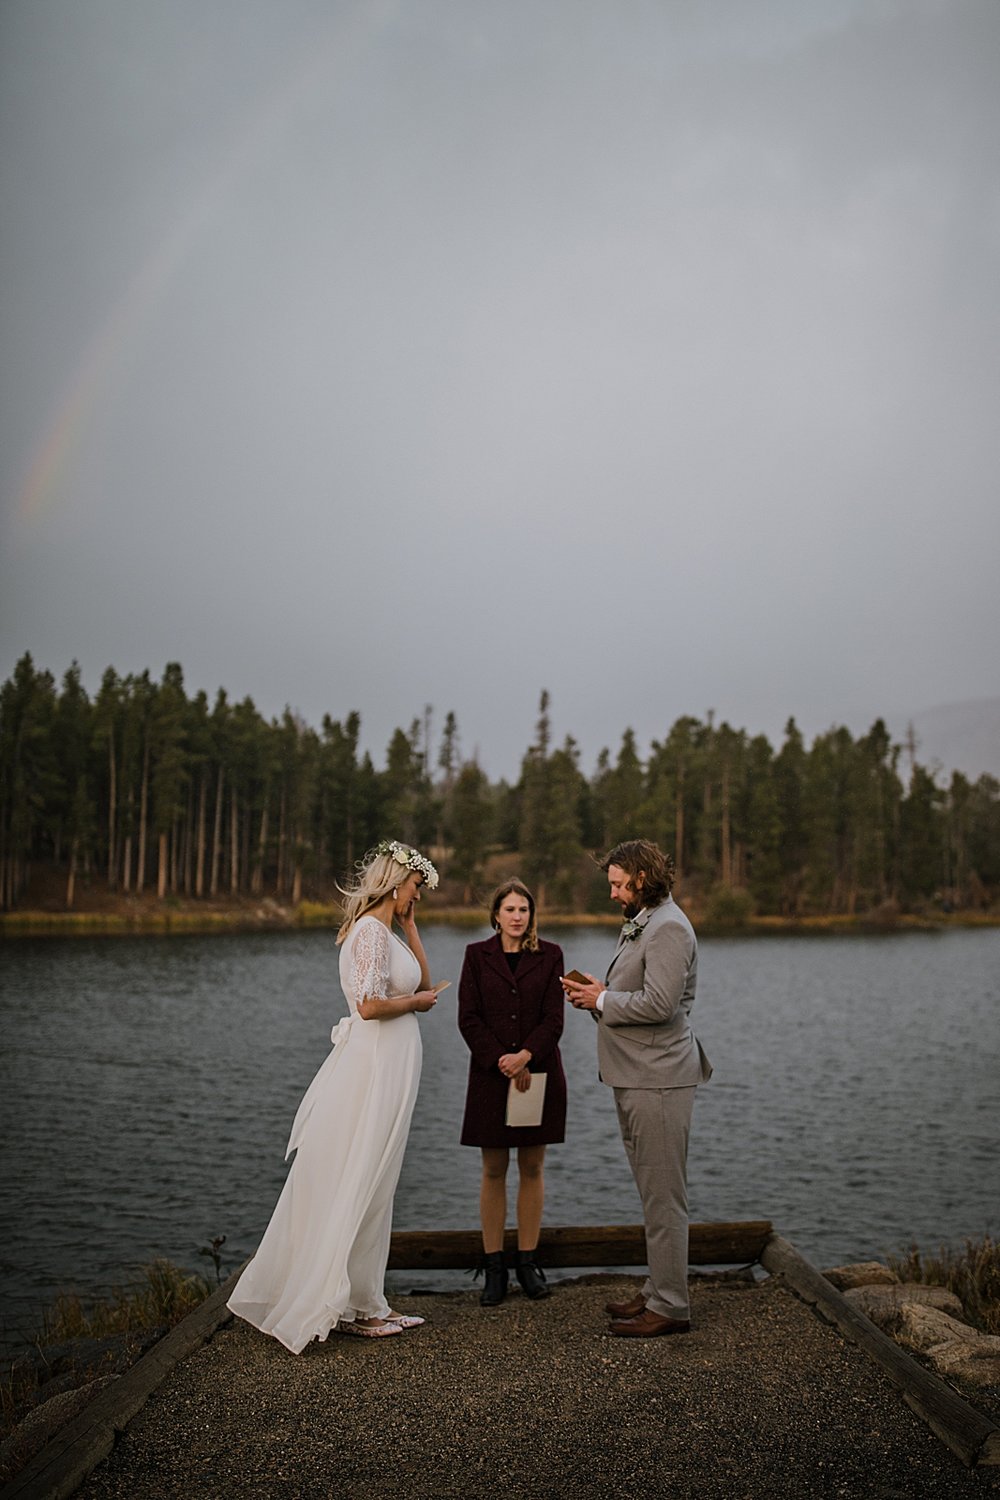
(318,63)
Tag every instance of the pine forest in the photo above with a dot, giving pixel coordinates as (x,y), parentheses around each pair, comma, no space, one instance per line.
(142,790)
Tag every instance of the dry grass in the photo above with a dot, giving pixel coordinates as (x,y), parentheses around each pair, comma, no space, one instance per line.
(972,1273)
(165,1294)
(161,1298)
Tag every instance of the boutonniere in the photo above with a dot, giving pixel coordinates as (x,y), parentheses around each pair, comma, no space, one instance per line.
(631,929)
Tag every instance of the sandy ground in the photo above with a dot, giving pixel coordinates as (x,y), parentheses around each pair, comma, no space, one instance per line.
(529,1399)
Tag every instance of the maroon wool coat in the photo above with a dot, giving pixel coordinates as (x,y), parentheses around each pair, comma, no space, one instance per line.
(500,1012)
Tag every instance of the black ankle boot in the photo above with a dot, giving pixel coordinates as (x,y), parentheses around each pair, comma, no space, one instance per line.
(495,1289)
(530,1275)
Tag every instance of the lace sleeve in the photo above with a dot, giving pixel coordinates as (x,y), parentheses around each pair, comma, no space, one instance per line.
(370,962)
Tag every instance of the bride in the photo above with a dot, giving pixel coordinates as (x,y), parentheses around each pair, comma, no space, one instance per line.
(321,1263)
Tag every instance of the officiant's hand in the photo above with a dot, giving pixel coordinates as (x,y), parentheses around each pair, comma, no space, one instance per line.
(514,1065)
(583,996)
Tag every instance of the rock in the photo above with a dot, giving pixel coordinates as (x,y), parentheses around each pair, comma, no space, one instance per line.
(862,1273)
(41,1424)
(883,1303)
(47,1386)
(974,1360)
(922,1327)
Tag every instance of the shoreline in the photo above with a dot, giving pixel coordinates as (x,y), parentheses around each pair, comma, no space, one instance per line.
(763,1388)
(161,918)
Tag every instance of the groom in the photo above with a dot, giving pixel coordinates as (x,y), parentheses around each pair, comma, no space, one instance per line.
(650,1057)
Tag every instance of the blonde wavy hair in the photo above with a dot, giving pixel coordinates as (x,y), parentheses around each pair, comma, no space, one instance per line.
(515,887)
(378,877)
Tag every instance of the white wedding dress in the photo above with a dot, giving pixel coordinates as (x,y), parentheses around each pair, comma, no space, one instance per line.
(323,1255)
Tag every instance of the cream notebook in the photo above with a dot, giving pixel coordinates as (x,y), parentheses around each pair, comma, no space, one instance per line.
(526,1108)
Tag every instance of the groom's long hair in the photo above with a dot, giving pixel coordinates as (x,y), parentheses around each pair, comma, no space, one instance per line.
(636,856)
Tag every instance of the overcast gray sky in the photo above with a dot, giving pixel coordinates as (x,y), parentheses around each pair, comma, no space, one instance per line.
(373,355)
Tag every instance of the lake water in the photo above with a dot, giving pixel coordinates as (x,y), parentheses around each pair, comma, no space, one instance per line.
(148,1086)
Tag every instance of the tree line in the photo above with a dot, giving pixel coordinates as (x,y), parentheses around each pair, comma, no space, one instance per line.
(143,788)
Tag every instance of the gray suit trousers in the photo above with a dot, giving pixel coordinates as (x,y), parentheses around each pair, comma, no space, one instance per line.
(655,1125)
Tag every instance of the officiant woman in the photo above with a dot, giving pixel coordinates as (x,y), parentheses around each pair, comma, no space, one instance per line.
(510,1012)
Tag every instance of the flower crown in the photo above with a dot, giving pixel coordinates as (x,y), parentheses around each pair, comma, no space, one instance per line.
(404,855)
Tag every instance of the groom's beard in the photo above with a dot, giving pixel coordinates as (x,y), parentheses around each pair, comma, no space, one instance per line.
(633,909)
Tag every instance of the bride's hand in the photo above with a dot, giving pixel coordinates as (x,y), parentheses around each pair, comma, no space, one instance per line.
(424,1000)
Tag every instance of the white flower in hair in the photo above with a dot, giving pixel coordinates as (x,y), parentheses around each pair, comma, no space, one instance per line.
(411,859)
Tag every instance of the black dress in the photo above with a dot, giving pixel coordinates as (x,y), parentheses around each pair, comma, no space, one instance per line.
(502,1007)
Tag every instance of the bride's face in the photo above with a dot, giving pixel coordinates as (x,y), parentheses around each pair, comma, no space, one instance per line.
(408,893)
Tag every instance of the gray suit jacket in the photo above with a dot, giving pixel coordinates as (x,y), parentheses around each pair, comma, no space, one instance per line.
(644,1038)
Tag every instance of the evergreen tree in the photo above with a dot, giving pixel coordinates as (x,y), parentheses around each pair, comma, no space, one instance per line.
(567,789)
(338,791)
(427,810)
(169,771)
(958,838)
(75,812)
(300,759)
(874,800)
(983,841)
(449,761)
(448,764)
(729,747)
(372,817)
(760,823)
(534,832)
(467,830)
(507,815)
(921,837)
(248,758)
(107,731)
(198,736)
(29,774)
(790,771)
(399,784)
(142,704)
(619,794)
(671,792)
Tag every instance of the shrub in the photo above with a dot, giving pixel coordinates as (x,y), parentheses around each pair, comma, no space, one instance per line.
(729,906)
(972,1273)
(165,1294)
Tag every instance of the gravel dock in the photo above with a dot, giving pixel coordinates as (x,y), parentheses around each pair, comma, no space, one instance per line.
(535,1400)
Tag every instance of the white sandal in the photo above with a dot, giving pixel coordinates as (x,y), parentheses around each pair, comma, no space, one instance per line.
(370,1330)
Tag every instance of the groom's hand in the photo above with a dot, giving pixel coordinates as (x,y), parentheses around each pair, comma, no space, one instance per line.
(582,996)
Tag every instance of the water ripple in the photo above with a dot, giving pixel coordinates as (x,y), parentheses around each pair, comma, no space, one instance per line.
(148,1086)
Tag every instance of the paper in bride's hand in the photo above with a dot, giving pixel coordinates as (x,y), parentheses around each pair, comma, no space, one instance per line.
(437,988)
(526,1108)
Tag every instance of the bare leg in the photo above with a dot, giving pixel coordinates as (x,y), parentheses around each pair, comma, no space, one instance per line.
(493,1197)
(530,1195)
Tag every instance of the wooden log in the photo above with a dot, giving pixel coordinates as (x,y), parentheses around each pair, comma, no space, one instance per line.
(59,1469)
(967,1432)
(610,1245)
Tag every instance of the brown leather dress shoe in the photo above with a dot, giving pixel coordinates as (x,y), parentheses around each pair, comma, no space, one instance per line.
(648,1325)
(630,1309)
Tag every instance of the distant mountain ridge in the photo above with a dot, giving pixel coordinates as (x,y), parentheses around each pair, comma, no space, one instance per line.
(955,737)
